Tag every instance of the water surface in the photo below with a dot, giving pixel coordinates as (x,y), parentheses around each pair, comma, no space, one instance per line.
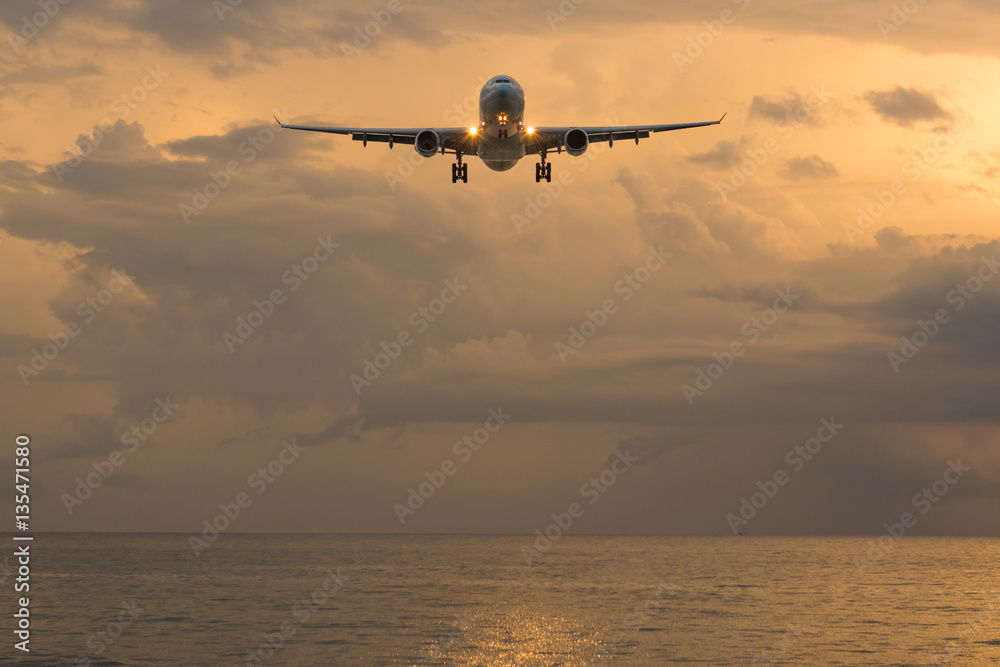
(131,599)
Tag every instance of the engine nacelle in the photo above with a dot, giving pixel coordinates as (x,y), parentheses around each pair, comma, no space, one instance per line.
(576,141)
(427,142)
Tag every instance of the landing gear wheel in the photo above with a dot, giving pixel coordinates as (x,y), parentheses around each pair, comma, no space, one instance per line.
(459,170)
(543,170)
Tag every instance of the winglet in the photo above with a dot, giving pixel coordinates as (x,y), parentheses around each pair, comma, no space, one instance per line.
(723,116)
(280,124)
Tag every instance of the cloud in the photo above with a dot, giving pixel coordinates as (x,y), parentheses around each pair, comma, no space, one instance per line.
(528,289)
(811,167)
(724,155)
(780,110)
(669,221)
(47,75)
(234,38)
(77,435)
(987,166)
(345,427)
(906,106)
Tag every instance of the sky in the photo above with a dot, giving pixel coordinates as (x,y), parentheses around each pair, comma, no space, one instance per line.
(783,324)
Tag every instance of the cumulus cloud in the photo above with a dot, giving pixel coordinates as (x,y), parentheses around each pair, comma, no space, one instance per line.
(724,155)
(777,109)
(906,106)
(193,282)
(809,167)
(120,202)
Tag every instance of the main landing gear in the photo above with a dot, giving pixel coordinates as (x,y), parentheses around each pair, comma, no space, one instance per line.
(543,170)
(459,170)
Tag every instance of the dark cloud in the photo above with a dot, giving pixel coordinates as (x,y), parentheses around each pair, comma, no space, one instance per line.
(78,436)
(347,427)
(724,155)
(193,281)
(646,448)
(775,109)
(906,106)
(811,167)
(47,75)
(778,109)
(494,345)
(12,345)
(234,39)
(118,204)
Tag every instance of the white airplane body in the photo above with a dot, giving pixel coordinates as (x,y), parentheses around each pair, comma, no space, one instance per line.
(501,139)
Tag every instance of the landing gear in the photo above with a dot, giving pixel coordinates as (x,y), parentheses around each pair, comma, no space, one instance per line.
(459,170)
(543,170)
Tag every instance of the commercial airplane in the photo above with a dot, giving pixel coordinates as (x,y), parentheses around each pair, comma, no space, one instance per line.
(501,139)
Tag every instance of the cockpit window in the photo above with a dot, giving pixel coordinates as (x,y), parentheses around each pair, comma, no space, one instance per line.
(502,81)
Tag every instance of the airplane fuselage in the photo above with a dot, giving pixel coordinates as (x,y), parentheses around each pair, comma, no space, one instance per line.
(501,123)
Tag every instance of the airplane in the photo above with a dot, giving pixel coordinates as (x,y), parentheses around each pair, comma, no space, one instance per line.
(501,139)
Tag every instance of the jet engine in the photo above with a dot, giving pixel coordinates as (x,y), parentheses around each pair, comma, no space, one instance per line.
(427,142)
(576,141)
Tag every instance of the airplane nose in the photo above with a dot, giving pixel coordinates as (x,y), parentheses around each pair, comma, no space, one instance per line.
(505,91)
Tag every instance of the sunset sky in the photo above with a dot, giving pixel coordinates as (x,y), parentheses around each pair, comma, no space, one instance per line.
(857,173)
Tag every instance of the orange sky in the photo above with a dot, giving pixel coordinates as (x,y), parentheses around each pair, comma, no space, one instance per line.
(171,93)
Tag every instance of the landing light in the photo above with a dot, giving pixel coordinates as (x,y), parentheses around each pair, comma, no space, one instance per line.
(531,130)
(472,130)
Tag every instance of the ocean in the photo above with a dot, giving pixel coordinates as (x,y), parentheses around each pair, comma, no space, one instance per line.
(148,599)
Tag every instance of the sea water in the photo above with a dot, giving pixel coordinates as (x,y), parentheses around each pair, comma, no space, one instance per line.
(149,599)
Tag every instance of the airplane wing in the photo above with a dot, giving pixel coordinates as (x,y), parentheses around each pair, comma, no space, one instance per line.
(545,138)
(451,138)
